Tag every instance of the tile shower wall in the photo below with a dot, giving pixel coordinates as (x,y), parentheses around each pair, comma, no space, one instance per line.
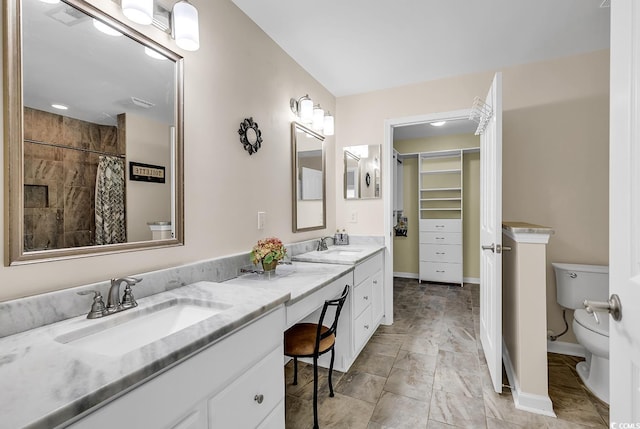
(60,182)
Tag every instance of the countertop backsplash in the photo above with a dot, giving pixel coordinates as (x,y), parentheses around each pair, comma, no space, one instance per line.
(23,314)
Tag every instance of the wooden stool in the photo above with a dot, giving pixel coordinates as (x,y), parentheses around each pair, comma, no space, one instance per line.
(313,340)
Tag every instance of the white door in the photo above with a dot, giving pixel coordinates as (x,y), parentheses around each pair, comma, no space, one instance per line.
(491,235)
(624,220)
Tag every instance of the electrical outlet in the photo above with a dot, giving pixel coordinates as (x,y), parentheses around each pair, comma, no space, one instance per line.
(353,218)
(262,219)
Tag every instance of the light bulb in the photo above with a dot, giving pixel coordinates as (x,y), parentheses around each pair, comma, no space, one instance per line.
(329,127)
(185,26)
(306,109)
(139,11)
(318,118)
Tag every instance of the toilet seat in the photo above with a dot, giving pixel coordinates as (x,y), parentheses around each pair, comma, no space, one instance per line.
(587,321)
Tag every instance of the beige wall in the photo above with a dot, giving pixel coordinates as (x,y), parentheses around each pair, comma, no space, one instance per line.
(148,142)
(405,249)
(238,72)
(555,149)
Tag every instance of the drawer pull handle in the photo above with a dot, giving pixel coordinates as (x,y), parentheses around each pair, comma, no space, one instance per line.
(440,271)
(440,253)
(439,238)
(259,398)
(375,282)
(439,226)
(366,297)
(366,326)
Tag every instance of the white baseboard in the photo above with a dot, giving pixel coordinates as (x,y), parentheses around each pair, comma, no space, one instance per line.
(474,280)
(405,275)
(565,348)
(531,402)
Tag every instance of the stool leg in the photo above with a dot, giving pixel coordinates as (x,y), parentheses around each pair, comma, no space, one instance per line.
(315,393)
(333,355)
(295,371)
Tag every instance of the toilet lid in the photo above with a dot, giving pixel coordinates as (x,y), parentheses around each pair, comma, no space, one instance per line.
(588,321)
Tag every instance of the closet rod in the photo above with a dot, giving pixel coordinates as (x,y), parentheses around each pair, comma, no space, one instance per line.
(61,146)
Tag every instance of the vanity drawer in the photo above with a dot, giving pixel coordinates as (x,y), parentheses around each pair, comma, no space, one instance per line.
(441,272)
(367,268)
(362,329)
(362,296)
(441,225)
(265,378)
(441,252)
(441,237)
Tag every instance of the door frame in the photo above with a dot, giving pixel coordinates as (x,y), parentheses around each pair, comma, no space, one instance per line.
(387,189)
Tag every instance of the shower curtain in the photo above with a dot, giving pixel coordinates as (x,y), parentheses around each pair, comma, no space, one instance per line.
(109,206)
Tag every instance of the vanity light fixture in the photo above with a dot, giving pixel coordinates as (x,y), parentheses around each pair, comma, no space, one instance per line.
(181,22)
(139,11)
(437,123)
(104,28)
(185,26)
(303,108)
(318,118)
(328,124)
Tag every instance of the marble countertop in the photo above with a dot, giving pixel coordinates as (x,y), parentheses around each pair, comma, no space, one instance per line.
(524,227)
(44,383)
(344,255)
(300,279)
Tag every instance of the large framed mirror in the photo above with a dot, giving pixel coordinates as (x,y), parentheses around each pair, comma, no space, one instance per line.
(93,133)
(362,172)
(308,178)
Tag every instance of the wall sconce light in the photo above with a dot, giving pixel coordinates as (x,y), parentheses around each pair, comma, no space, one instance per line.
(139,11)
(181,22)
(302,108)
(318,118)
(328,124)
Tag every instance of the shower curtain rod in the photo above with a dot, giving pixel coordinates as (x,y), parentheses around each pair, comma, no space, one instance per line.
(61,146)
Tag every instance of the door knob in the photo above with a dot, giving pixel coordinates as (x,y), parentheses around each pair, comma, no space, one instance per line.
(497,248)
(612,306)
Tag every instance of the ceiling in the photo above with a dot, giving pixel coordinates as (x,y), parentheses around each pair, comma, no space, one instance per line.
(418,131)
(356,46)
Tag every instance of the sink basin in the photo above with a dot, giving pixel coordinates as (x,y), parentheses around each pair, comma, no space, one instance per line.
(130,331)
(346,252)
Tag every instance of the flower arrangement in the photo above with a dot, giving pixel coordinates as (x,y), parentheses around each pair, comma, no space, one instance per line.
(268,251)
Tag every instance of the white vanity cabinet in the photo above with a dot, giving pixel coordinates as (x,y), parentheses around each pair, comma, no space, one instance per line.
(368,300)
(236,382)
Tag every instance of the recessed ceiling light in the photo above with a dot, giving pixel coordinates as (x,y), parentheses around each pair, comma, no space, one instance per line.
(154,54)
(437,123)
(104,28)
(59,106)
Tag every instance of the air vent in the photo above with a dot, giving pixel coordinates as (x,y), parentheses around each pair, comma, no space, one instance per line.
(605,3)
(67,15)
(142,103)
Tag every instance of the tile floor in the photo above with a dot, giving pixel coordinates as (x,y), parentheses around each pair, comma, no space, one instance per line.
(427,371)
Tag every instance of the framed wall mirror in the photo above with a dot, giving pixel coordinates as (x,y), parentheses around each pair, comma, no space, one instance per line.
(93,133)
(308,178)
(362,172)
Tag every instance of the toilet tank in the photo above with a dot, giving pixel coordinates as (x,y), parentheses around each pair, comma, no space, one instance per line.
(576,282)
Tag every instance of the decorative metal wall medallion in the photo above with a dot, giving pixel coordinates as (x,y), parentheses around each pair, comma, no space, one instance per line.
(250,135)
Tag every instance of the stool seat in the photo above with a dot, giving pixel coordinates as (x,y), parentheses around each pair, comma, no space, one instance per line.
(300,340)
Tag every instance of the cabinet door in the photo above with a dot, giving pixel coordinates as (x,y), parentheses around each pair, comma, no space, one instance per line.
(275,420)
(196,419)
(363,328)
(362,296)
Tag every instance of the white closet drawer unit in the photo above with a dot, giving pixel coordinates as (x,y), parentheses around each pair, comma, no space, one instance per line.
(440,237)
(441,253)
(362,296)
(441,225)
(362,329)
(256,393)
(441,271)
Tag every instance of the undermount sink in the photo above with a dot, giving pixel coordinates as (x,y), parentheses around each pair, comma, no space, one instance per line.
(342,251)
(127,331)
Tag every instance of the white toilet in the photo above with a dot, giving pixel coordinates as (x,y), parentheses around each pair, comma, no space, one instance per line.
(574,284)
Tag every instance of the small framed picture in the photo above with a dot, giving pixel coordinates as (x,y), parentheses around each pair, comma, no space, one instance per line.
(146,172)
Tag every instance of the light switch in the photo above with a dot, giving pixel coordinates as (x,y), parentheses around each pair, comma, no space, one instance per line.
(353,218)
(262,219)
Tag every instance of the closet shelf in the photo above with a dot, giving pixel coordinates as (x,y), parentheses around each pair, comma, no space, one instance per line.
(449,171)
(442,209)
(441,199)
(440,189)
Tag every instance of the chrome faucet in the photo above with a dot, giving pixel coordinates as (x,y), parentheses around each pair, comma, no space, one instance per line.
(128,301)
(322,243)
